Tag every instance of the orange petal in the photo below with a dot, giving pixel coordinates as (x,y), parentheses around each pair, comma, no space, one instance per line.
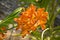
(43,27)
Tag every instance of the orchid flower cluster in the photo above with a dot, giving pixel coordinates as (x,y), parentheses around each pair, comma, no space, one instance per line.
(31,18)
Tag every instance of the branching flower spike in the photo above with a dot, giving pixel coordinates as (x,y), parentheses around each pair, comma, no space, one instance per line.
(31,18)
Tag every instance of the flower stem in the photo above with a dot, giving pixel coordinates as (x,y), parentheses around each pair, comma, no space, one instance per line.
(43,33)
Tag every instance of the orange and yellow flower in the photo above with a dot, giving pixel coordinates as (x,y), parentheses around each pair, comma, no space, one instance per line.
(2,35)
(31,18)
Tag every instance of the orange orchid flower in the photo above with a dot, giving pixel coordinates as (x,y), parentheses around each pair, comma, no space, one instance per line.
(31,18)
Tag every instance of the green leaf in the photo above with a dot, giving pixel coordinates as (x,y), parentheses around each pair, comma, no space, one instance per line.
(56,28)
(9,19)
(14,13)
(30,1)
(36,34)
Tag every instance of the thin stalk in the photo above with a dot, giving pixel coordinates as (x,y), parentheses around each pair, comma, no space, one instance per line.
(42,36)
